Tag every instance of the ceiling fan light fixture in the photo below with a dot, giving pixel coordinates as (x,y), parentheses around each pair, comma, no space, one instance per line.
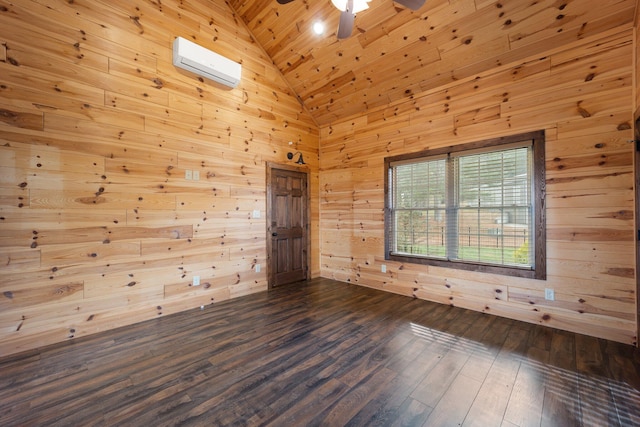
(358,5)
(318,28)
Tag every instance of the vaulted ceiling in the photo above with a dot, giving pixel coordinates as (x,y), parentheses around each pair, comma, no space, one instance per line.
(395,53)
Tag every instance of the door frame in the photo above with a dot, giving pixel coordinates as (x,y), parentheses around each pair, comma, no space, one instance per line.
(271,166)
(636,172)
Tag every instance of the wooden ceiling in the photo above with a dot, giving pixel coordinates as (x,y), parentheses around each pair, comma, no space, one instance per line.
(395,53)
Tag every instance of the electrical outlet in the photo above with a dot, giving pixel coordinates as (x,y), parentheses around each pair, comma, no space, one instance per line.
(383,268)
(196,175)
(188,175)
(196,280)
(549,294)
(257,268)
(256,213)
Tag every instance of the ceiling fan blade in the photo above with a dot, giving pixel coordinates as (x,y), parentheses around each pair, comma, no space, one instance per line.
(284,1)
(411,4)
(345,27)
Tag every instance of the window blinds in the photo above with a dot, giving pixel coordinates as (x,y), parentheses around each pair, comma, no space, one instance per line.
(468,207)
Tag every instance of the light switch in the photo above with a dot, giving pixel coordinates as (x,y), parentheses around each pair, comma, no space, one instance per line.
(188,175)
(196,175)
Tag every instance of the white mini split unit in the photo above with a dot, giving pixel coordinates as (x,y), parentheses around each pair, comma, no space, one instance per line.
(205,63)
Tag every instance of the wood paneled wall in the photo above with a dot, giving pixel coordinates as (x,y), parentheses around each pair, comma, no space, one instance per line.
(636,116)
(98,226)
(581,94)
(637,59)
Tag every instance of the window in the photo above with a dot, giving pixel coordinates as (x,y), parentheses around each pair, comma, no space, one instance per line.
(478,206)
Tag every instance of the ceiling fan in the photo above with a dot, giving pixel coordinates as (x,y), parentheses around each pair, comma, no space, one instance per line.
(349,8)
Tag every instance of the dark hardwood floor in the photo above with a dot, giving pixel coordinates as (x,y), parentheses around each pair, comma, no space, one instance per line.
(324,353)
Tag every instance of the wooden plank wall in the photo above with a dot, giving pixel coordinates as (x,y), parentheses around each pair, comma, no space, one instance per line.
(99,227)
(637,59)
(636,116)
(581,95)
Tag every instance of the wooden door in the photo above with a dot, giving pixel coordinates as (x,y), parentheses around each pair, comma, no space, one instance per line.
(287,225)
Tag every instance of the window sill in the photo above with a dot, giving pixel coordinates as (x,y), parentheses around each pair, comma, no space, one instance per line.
(513,271)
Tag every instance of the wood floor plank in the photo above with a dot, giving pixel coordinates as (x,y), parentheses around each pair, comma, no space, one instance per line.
(598,404)
(324,353)
(392,406)
(527,397)
(453,407)
(561,404)
(352,403)
(315,401)
(490,404)
(410,413)
(440,377)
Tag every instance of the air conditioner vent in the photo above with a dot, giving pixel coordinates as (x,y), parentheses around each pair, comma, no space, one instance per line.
(206,63)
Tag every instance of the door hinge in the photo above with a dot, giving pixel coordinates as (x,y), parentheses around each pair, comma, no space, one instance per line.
(639,235)
(637,141)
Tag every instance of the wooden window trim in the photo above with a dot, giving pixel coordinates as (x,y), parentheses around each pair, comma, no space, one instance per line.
(539,194)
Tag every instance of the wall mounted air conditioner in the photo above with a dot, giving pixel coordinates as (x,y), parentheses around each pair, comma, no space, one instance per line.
(205,63)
